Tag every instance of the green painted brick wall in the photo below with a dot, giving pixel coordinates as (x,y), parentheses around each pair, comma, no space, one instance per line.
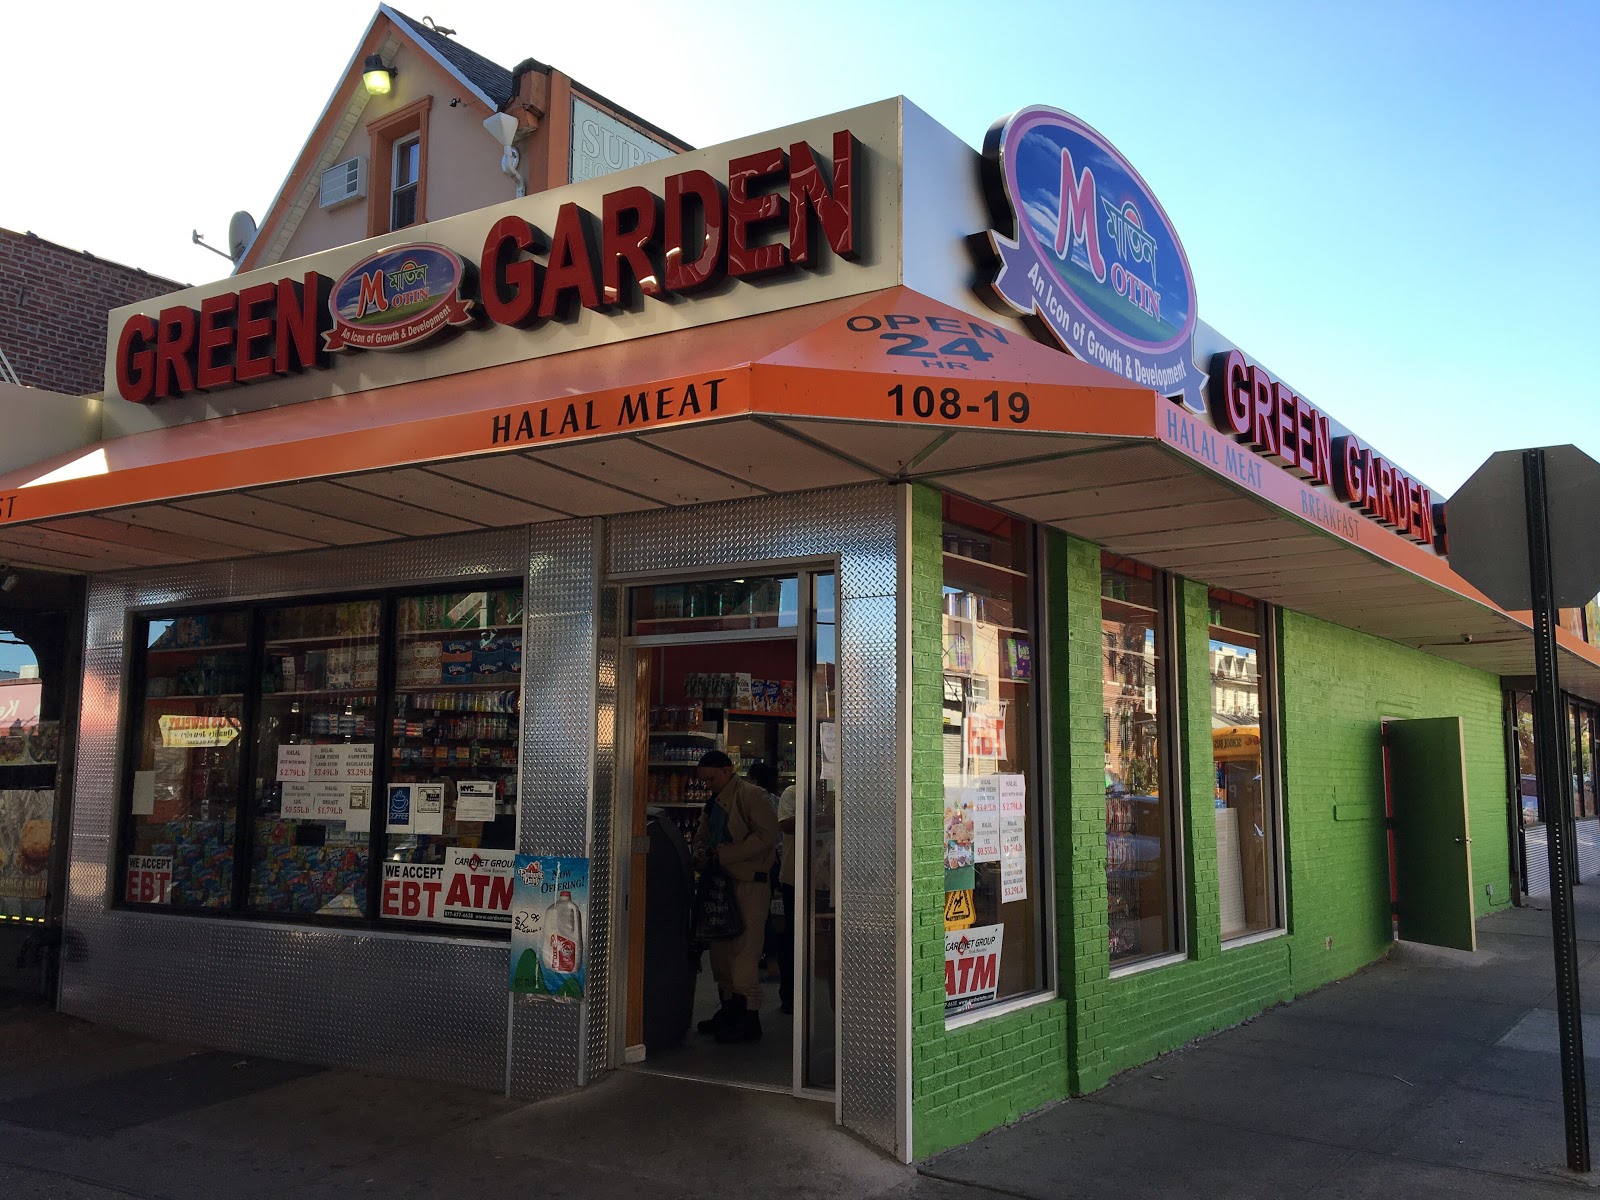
(1337,687)
(1336,684)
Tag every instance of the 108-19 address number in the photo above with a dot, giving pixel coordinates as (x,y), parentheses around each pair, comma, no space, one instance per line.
(950,405)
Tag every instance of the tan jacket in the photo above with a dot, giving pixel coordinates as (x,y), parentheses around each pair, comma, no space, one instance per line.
(752,826)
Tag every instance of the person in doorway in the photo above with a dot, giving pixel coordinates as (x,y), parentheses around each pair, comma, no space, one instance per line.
(739,832)
(764,775)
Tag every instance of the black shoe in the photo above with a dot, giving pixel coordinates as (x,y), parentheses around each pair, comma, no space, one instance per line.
(718,1020)
(744,1027)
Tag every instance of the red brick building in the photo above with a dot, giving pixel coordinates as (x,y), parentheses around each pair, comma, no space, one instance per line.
(53,306)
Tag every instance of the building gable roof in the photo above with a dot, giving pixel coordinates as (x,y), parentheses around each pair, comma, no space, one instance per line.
(489,83)
(490,80)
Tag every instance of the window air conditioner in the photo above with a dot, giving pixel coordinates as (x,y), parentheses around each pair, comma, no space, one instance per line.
(344,181)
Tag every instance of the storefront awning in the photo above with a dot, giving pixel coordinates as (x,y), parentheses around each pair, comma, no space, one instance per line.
(888,387)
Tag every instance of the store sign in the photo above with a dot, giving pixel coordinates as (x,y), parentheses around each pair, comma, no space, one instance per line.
(19,705)
(971,966)
(549,919)
(478,887)
(1090,251)
(1269,417)
(148,879)
(399,298)
(772,211)
(471,887)
(601,144)
(197,733)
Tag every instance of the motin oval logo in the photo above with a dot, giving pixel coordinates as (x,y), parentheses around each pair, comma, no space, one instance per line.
(1090,251)
(398,298)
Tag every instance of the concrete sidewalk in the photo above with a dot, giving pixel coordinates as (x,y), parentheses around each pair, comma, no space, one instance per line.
(1430,1074)
(1434,1073)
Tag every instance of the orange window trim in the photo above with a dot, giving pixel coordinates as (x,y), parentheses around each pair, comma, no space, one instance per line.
(383,133)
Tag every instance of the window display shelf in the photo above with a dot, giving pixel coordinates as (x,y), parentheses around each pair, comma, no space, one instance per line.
(198,696)
(985,565)
(205,649)
(320,639)
(753,712)
(694,733)
(949,674)
(713,618)
(506,686)
(371,700)
(666,762)
(406,635)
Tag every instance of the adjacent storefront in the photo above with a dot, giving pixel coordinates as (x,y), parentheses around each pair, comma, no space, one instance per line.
(423,571)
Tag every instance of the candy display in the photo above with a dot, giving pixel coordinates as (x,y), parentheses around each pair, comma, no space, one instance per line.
(307,879)
(202,859)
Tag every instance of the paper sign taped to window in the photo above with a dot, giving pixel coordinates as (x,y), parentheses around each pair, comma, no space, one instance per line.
(144,793)
(971,966)
(328,798)
(294,763)
(296,802)
(358,808)
(985,818)
(475,800)
(197,733)
(356,760)
(428,812)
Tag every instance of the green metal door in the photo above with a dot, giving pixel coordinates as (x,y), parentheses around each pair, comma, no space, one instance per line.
(1432,846)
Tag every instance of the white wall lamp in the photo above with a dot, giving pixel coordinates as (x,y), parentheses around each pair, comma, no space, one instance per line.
(503,128)
(377,78)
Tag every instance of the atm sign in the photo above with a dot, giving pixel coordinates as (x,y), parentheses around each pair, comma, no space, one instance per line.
(971,966)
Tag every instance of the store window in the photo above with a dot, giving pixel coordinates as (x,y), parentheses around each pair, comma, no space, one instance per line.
(1247,804)
(316,727)
(31,709)
(1142,890)
(361,799)
(183,793)
(995,874)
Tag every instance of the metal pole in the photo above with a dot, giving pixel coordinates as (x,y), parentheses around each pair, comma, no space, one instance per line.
(1548,729)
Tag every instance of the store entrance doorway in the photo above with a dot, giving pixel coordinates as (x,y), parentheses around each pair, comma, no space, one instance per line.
(744,666)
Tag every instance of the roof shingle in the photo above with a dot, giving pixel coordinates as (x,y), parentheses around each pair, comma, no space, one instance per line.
(490,78)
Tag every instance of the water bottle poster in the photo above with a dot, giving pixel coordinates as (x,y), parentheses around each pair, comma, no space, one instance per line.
(549,924)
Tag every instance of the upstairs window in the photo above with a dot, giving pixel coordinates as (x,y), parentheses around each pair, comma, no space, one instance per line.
(406,180)
(398,197)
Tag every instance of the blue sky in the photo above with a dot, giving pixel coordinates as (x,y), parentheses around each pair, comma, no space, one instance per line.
(1390,204)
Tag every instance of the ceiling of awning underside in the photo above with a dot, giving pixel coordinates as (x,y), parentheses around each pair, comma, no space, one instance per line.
(1134,497)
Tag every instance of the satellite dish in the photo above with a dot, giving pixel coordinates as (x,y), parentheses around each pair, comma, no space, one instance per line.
(241,232)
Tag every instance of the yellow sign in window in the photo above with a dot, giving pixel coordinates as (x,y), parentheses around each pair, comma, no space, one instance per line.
(958,910)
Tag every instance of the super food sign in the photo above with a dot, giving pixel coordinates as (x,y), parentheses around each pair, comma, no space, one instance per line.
(764,214)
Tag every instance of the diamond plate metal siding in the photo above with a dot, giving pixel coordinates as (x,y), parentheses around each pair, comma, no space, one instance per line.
(597,1035)
(419,1005)
(558,772)
(860,527)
